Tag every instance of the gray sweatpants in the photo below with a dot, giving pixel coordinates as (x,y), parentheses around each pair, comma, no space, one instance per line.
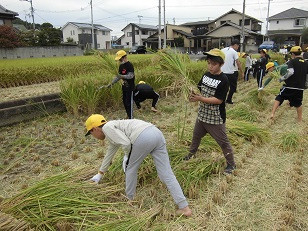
(218,132)
(152,141)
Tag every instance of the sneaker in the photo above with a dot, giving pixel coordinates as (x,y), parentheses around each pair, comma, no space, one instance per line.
(189,156)
(260,88)
(229,169)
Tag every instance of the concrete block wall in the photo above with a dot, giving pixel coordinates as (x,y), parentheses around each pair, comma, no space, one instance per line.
(40,52)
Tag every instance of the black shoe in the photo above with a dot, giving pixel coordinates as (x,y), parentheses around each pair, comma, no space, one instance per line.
(229,102)
(229,169)
(189,156)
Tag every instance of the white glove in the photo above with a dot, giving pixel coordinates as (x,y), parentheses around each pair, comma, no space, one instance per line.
(96,178)
(125,158)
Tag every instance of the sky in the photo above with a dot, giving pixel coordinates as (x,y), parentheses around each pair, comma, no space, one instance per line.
(117,14)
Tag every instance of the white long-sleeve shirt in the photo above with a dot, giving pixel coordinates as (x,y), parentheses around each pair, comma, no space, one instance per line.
(121,133)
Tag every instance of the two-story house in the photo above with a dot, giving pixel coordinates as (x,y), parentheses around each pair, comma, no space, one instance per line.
(81,33)
(228,27)
(288,25)
(174,35)
(136,34)
(7,16)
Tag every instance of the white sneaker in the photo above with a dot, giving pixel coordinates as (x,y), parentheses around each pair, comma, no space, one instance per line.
(260,88)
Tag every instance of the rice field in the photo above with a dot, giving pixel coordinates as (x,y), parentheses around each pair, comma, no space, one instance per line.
(45,166)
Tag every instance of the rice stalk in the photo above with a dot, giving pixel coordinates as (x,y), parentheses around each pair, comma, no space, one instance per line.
(110,66)
(289,141)
(248,131)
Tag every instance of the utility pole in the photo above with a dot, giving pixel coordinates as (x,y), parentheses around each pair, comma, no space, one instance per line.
(92,33)
(32,12)
(165,28)
(268,8)
(242,32)
(159,25)
(173,21)
(140,41)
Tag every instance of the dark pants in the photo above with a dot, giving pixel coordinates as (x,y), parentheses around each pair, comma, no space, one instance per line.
(246,76)
(128,103)
(218,132)
(233,85)
(143,95)
(260,75)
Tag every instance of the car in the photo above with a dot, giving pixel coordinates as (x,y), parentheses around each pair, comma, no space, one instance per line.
(289,44)
(138,50)
(269,45)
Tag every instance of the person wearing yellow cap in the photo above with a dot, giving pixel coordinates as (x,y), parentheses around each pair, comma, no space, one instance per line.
(126,73)
(137,139)
(296,81)
(231,67)
(214,86)
(144,91)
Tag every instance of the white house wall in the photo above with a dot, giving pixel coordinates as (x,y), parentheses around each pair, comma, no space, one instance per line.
(284,24)
(70,31)
(129,40)
(235,18)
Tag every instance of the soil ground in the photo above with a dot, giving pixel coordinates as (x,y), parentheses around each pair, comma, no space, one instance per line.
(267,192)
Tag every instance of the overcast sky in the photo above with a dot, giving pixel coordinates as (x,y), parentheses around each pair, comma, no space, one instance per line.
(116,14)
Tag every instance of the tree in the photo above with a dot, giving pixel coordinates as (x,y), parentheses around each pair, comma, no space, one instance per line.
(305,35)
(49,36)
(279,39)
(179,42)
(8,37)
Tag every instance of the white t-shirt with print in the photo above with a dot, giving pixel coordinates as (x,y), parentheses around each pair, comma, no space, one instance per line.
(230,60)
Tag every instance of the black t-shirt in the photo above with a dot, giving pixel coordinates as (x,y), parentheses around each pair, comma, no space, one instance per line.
(213,86)
(143,87)
(124,69)
(298,79)
(262,63)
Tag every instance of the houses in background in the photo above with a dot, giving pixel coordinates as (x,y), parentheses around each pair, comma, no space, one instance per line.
(205,35)
(7,16)
(196,36)
(288,25)
(81,33)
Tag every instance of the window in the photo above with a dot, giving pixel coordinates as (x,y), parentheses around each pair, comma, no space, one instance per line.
(127,43)
(129,34)
(277,22)
(143,32)
(72,32)
(98,45)
(299,22)
(104,33)
(247,22)
(137,32)
(1,22)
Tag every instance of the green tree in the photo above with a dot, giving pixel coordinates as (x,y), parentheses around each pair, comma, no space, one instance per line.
(179,42)
(49,36)
(9,38)
(305,35)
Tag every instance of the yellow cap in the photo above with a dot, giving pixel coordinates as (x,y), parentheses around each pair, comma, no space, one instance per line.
(141,82)
(120,54)
(95,120)
(285,46)
(216,52)
(269,65)
(243,55)
(296,49)
(264,50)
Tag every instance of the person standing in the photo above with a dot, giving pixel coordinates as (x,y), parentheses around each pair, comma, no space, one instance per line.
(126,73)
(261,65)
(144,91)
(248,63)
(211,118)
(229,67)
(305,55)
(295,83)
(137,139)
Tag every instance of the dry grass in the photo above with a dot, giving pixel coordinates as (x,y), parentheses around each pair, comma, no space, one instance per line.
(267,193)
